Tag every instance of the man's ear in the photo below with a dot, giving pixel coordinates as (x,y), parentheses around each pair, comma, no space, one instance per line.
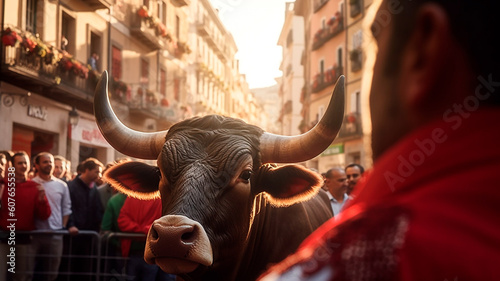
(426,56)
(135,179)
(286,185)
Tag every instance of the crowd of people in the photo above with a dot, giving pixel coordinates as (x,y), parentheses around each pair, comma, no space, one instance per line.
(53,202)
(339,184)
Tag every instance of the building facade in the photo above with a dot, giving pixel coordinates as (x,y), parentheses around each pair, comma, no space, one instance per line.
(291,40)
(167,60)
(46,80)
(333,47)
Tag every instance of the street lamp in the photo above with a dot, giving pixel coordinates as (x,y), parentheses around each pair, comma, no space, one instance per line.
(74,117)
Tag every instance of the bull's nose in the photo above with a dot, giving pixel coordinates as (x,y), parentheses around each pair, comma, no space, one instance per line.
(178,238)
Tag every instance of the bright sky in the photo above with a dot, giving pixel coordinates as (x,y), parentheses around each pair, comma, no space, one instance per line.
(255,26)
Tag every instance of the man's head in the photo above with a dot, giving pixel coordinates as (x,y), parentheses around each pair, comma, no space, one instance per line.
(430,55)
(59,166)
(5,162)
(44,164)
(336,182)
(91,170)
(353,173)
(21,164)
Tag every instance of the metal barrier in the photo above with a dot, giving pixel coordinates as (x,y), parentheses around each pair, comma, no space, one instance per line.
(97,262)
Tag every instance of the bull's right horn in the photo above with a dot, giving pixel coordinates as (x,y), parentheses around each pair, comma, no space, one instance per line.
(120,137)
(292,149)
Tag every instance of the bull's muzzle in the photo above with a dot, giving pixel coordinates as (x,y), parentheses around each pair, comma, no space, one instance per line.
(177,245)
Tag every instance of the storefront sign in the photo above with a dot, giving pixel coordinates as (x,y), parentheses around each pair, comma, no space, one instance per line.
(87,132)
(39,112)
(333,150)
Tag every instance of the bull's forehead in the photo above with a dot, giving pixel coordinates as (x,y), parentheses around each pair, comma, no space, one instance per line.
(205,152)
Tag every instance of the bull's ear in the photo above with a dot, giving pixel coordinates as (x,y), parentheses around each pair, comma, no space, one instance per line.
(135,179)
(286,185)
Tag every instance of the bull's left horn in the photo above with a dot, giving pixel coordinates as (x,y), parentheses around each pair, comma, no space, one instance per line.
(127,141)
(291,149)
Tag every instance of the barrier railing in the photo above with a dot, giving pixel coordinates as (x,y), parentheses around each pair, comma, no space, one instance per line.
(98,262)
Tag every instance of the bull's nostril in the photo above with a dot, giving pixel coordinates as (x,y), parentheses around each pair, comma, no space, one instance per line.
(154,233)
(187,237)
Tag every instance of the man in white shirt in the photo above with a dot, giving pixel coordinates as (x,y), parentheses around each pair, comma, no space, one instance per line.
(50,247)
(336,182)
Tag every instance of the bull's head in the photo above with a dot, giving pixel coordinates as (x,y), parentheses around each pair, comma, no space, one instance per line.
(209,173)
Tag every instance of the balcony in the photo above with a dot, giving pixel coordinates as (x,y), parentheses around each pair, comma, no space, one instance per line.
(351,127)
(355,7)
(334,26)
(328,78)
(318,4)
(88,5)
(97,4)
(143,103)
(35,66)
(148,29)
(180,3)
(202,27)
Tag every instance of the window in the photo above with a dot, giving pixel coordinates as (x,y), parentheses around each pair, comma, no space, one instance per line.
(162,12)
(321,69)
(177,86)
(144,71)
(31,15)
(355,102)
(116,63)
(357,39)
(177,27)
(163,81)
(339,57)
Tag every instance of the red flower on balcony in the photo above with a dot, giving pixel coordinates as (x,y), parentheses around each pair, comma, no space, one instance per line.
(164,102)
(351,118)
(161,30)
(65,64)
(143,12)
(10,37)
(29,44)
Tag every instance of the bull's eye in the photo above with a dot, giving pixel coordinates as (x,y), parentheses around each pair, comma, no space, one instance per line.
(245,175)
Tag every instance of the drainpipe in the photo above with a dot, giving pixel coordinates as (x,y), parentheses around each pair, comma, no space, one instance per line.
(109,39)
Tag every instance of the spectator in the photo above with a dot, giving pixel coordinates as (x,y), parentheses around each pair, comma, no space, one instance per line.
(93,61)
(336,182)
(86,214)
(33,205)
(137,216)
(5,163)
(64,44)
(353,173)
(60,168)
(106,191)
(109,225)
(49,248)
(428,210)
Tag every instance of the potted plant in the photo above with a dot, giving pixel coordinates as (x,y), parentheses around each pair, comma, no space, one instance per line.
(10,37)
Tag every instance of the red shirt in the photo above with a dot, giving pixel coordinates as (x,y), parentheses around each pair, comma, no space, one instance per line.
(429,210)
(26,205)
(137,216)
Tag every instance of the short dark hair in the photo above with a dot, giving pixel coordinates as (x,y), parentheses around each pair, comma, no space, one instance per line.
(37,157)
(6,154)
(20,153)
(90,164)
(361,169)
(477,35)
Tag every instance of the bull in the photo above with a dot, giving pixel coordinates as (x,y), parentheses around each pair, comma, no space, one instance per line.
(227,211)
